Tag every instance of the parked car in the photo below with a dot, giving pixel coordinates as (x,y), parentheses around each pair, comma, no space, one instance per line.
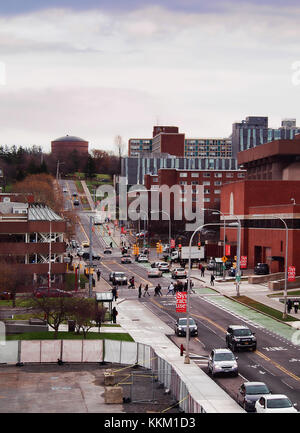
(6,296)
(156,264)
(74,194)
(211,265)
(164,267)
(262,269)
(179,273)
(222,361)
(240,336)
(141,258)
(51,292)
(86,256)
(249,393)
(76,202)
(85,244)
(274,403)
(107,251)
(65,190)
(181,325)
(126,259)
(154,272)
(118,278)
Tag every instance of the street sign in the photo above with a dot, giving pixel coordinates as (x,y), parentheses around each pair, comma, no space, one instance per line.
(291,273)
(243,262)
(238,278)
(181,299)
(224,259)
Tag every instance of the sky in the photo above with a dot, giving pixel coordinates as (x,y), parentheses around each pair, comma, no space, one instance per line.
(98,69)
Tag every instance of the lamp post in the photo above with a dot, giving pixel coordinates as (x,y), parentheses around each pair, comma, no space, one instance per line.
(216,212)
(238,254)
(90,258)
(187,351)
(286,259)
(50,254)
(162,211)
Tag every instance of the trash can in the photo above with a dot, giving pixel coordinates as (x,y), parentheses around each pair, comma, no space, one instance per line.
(71,325)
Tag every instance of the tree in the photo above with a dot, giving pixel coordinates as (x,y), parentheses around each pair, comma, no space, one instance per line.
(10,280)
(83,312)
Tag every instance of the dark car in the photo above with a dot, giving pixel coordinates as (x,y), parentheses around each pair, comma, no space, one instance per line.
(86,256)
(118,278)
(240,337)
(107,251)
(181,325)
(6,296)
(51,292)
(249,393)
(76,202)
(262,269)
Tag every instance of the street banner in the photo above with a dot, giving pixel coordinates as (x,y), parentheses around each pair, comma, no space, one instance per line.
(172,245)
(227,250)
(181,298)
(243,263)
(291,273)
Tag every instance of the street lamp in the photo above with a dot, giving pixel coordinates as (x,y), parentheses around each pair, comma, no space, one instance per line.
(238,254)
(162,211)
(286,259)
(216,212)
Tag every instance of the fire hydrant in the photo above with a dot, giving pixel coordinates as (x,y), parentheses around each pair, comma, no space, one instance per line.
(181,349)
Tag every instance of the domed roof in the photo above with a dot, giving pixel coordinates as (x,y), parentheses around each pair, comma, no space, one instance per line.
(69,138)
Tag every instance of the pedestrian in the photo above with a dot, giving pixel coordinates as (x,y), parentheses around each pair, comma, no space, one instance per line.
(140,290)
(202,271)
(171,289)
(98,274)
(114,314)
(155,291)
(93,282)
(296,306)
(114,292)
(146,290)
(289,305)
(159,290)
(200,267)
(131,281)
(111,245)
(212,280)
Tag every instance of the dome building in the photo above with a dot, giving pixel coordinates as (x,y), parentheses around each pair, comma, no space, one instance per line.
(69,143)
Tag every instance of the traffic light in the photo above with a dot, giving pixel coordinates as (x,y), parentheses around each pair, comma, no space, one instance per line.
(157,247)
(137,251)
(199,245)
(179,247)
(160,248)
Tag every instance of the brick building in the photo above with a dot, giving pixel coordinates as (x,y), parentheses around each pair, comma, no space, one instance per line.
(27,234)
(65,145)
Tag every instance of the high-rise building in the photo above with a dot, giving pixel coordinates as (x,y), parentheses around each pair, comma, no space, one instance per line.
(254,130)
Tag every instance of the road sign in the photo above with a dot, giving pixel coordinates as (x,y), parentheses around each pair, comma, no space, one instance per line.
(238,278)
(291,273)
(224,259)
(181,298)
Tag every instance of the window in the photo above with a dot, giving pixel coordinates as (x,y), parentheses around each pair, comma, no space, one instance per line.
(206,182)
(206,200)
(206,174)
(195,182)
(206,191)
(182,199)
(155,179)
(218,174)
(195,174)
(229,174)
(241,175)
(182,174)
(217,191)
(218,183)
(154,186)
(183,182)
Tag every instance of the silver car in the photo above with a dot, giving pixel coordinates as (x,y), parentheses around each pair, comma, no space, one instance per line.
(154,272)
(222,361)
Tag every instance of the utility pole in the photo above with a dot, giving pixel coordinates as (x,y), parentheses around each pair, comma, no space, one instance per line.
(91,260)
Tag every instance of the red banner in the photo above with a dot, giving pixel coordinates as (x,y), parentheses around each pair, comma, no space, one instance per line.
(243,264)
(291,273)
(181,298)
(172,243)
(227,250)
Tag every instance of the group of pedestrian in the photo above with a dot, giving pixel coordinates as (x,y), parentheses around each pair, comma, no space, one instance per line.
(180,287)
(146,290)
(201,269)
(157,290)
(290,305)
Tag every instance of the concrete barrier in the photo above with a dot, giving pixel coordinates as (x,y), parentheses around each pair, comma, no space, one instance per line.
(279,284)
(260,279)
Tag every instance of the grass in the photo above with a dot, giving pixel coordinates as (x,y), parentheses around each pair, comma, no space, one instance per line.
(20,303)
(264,308)
(70,336)
(79,186)
(290,292)
(70,281)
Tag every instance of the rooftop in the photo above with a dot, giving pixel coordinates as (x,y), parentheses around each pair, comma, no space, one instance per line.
(69,138)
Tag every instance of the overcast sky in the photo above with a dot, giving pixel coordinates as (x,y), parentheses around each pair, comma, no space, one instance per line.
(97,69)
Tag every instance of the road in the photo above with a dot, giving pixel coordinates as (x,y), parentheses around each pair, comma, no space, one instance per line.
(276,360)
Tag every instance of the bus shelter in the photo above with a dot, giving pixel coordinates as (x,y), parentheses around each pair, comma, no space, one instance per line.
(105,300)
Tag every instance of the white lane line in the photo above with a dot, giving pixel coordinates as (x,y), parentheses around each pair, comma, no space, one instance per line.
(287,384)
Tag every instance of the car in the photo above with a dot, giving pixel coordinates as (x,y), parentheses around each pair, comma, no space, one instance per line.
(6,296)
(261,269)
(222,361)
(156,264)
(211,265)
(118,278)
(274,403)
(86,256)
(126,259)
(154,272)
(181,325)
(179,273)
(142,234)
(240,337)
(74,194)
(85,244)
(74,243)
(107,251)
(141,258)
(76,202)
(51,292)
(164,267)
(249,393)
(65,190)
(80,252)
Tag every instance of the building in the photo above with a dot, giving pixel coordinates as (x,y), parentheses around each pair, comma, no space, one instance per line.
(28,232)
(259,204)
(254,131)
(277,160)
(18,197)
(65,145)
(166,140)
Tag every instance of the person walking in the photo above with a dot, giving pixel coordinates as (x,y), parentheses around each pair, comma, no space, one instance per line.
(171,289)
(114,292)
(159,290)
(289,305)
(114,314)
(131,281)
(140,290)
(146,290)
(212,280)
(98,274)
(202,271)
(296,306)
